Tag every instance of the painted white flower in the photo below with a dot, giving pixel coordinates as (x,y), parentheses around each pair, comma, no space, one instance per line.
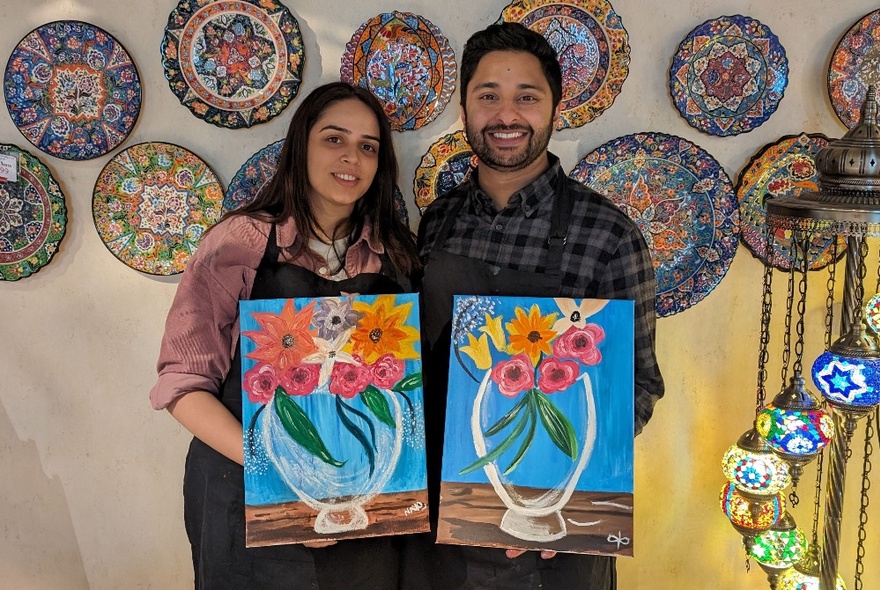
(576,314)
(329,352)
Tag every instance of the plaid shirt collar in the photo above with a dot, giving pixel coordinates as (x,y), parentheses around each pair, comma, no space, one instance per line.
(535,196)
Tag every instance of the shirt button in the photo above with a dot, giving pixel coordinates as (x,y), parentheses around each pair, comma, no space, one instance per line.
(498,226)
(323,270)
(527,208)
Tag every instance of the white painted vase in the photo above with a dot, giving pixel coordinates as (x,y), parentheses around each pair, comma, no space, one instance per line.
(338,494)
(535,514)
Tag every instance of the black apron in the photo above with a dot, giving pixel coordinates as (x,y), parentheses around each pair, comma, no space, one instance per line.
(213,486)
(452,567)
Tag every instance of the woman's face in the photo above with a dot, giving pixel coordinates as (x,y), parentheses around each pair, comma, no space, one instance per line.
(342,157)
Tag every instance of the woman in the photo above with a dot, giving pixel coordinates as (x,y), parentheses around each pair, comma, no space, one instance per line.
(324,225)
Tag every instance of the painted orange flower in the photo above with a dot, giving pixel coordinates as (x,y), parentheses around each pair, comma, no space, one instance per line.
(383,330)
(285,338)
(531,334)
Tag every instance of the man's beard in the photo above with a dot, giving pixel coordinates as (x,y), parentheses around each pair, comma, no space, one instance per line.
(504,160)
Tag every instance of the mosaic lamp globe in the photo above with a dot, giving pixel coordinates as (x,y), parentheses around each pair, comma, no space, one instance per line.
(848,373)
(804,575)
(753,468)
(781,546)
(748,516)
(795,426)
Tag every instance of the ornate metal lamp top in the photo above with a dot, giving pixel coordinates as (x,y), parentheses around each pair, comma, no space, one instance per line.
(848,200)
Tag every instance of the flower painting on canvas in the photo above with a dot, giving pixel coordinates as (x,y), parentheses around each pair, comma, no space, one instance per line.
(538,447)
(332,418)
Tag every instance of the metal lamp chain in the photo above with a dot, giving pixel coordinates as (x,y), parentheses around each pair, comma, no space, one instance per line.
(786,339)
(863,508)
(801,309)
(814,542)
(829,300)
(764,341)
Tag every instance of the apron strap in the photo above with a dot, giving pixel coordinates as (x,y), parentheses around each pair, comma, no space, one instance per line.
(559,220)
(272,252)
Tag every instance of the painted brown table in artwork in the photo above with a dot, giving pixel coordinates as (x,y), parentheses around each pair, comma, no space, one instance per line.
(293,522)
(596,522)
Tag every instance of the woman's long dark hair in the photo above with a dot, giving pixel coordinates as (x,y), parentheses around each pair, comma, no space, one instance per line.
(286,195)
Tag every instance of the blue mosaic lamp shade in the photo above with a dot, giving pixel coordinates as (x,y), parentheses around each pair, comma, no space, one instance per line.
(848,373)
(848,381)
(795,425)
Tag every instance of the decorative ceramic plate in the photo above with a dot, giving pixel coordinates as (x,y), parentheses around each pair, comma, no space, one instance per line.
(447,163)
(259,169)
(33,217)
(784,168)
(728,75)
(253,175)
(406,62)
(855,63)
(681,199)
(152,202)
(592,47)
(72,90)
(233,63)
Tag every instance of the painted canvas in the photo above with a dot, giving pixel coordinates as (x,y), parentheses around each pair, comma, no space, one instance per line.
(333,420)
(538,450)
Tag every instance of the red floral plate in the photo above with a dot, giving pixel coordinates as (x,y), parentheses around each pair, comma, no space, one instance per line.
(856,56)
(233,63)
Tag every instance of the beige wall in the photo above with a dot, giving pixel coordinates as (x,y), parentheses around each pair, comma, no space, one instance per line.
(90,475)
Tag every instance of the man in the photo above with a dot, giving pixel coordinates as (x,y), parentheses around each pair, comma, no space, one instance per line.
(519,226)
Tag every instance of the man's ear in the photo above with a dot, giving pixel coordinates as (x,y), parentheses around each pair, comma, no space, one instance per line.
(464,116)
(556,114)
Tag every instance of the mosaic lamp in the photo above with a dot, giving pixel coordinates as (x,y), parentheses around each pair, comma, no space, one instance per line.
(805,574)
(748,516)
(779,548)
(795,426)
(753,468)
(848,373)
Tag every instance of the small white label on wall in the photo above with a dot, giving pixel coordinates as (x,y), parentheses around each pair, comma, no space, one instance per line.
(8,168)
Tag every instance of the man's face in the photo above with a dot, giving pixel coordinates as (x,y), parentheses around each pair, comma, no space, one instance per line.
(508,113)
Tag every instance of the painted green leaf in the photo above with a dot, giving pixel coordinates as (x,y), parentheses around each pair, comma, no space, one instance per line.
(409,383)
(531,416)
(499,450)
(507,418)
(354,429)
(557,425)
(376,402)
(301,428)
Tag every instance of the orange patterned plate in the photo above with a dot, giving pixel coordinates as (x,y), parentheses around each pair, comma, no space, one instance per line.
(447,164)
(593,50)
(406,62)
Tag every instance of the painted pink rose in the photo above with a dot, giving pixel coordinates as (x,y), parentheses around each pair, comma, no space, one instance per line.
(301,379)
(556,375)
(259,383)
(387,371)
(514,375)
(580,344)
(348,379)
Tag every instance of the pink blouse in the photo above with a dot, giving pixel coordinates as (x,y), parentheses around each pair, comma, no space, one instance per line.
(201,330)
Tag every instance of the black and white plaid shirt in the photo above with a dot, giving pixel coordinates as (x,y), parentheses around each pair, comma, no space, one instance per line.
(605,255)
